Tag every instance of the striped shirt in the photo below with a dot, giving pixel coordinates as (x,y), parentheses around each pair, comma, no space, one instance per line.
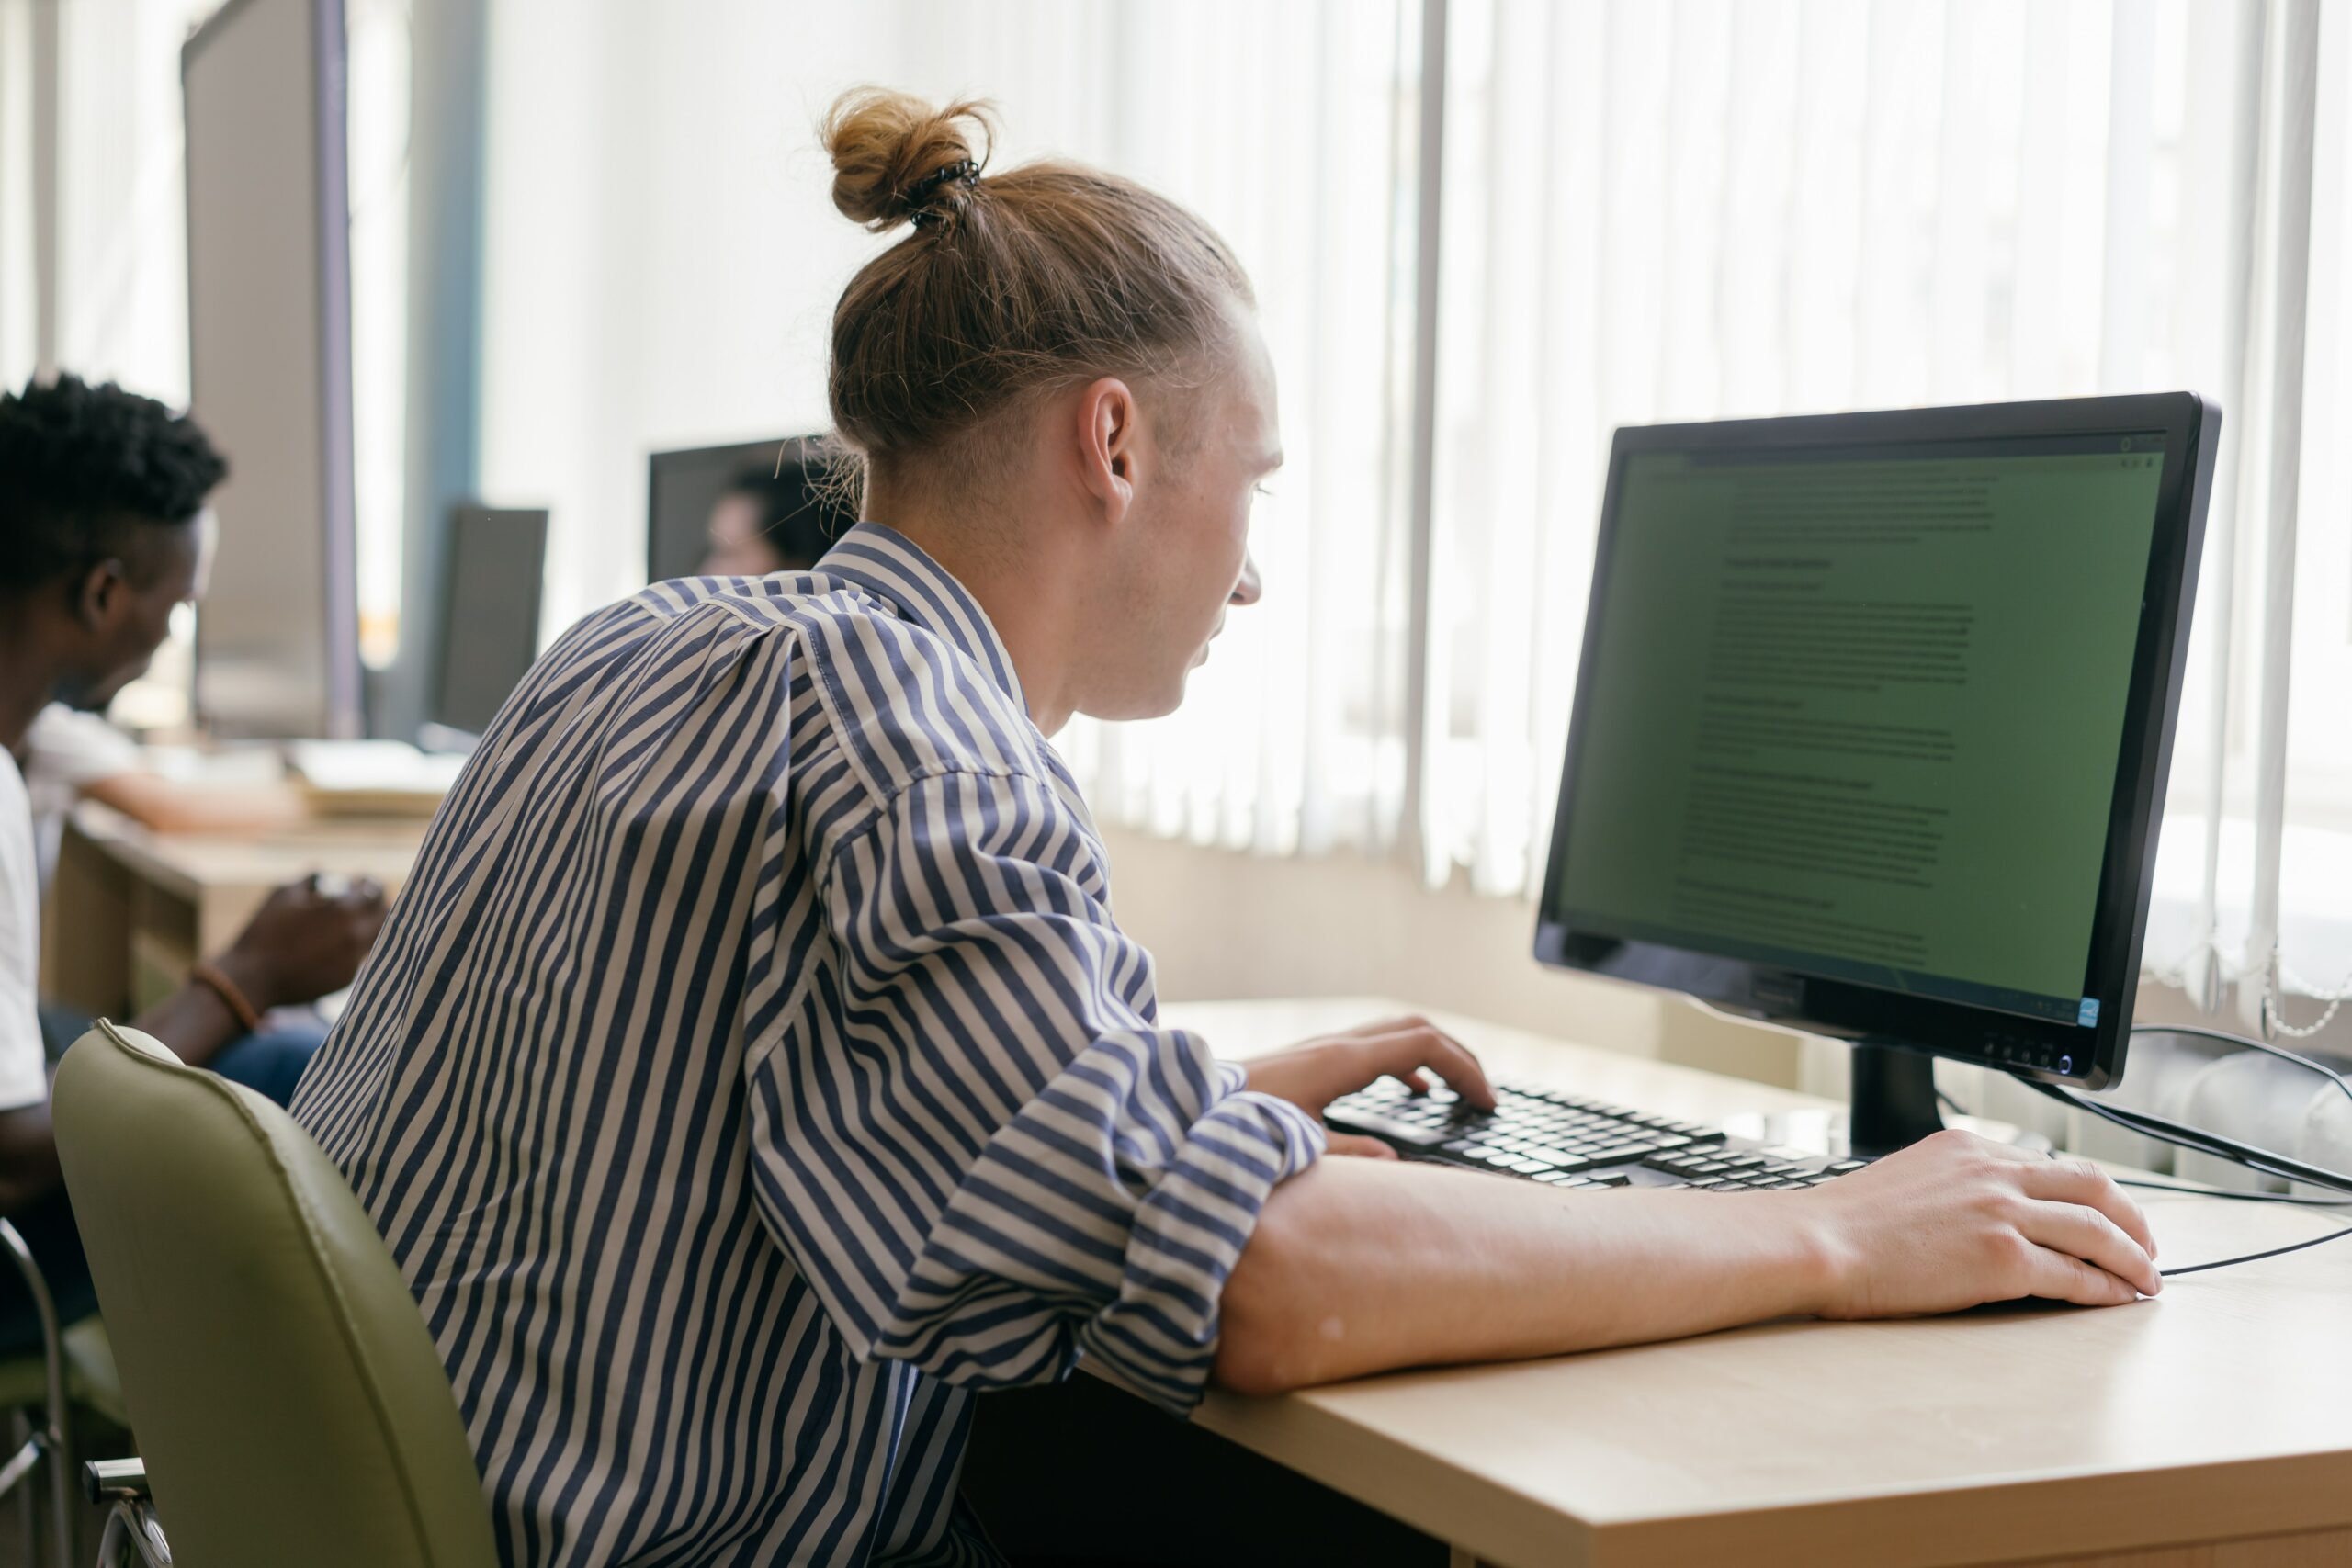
(752,1069)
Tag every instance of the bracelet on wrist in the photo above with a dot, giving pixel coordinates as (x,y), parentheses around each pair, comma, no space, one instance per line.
(209,974)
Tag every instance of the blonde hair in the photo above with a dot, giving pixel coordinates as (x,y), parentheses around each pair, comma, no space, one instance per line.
(1011,285)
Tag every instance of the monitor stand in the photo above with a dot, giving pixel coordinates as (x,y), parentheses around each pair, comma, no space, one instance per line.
(1894,1098)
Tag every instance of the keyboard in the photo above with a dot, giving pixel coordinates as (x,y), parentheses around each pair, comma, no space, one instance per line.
(1566,1141)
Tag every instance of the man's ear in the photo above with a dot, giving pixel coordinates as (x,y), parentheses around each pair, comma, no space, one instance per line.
(1107,441)
(100,595)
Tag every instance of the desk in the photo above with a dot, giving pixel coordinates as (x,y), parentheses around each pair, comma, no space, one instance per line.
(129,910)
(2211,1428)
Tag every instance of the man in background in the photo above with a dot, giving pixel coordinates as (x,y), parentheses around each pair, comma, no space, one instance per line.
(100,494)
(777,519)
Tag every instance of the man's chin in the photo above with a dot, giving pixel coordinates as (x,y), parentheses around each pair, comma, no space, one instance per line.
(1128,709)
(89,699)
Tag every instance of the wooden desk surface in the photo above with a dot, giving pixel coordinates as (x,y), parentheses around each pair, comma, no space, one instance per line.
(2219,1410)
(192,865)
(129,908)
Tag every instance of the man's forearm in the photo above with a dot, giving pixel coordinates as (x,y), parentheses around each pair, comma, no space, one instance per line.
(1358,1266)
(193,1021)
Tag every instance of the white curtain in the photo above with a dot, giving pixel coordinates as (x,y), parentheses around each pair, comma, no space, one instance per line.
(662,262)
(1660,209)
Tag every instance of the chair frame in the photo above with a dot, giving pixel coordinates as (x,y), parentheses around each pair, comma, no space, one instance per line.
(49,1440)
(134,1537)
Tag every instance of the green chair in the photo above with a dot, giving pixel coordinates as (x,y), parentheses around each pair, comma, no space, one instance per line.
(289,1404)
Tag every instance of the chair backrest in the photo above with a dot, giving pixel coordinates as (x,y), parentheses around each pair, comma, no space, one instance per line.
(286,1398)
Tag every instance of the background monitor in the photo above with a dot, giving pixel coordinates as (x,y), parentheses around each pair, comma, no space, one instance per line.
(495,565)
(684,486)
(269,352)
(1873,721)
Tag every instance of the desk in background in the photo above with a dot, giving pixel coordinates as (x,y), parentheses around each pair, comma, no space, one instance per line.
(2211,1428)
(129,910)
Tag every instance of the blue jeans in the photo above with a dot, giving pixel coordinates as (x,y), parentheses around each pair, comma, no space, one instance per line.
(268,1063)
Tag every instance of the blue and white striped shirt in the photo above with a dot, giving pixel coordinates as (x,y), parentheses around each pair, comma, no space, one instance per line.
(752,1067)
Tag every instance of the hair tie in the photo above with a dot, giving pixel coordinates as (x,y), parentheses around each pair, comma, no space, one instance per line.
(918,195)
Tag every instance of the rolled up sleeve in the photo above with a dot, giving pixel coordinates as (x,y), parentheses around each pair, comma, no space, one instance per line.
(1004,1161)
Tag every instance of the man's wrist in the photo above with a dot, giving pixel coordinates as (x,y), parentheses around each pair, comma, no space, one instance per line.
(251,978)
(1819,1262)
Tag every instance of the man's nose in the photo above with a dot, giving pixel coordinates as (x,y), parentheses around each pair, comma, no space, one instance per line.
(1249,589)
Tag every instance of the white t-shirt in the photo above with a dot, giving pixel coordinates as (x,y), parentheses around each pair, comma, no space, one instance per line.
(64,750)
(24,1067)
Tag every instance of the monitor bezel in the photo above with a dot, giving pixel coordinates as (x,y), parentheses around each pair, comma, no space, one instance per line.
(1850,1010)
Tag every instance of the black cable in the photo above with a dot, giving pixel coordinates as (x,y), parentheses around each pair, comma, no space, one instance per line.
(2224,1193)
(2196,1139)
(2254,1257)
(1951,1104)
(2199,1141)
(2243,1043)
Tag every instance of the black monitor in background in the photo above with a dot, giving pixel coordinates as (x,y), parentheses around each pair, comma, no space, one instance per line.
(1872,727)
(495,565)
(782,481)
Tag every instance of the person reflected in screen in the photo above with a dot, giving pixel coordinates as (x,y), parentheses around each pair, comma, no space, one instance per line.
(777,519)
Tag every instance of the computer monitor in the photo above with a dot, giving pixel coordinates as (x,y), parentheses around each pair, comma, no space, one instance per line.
(495,565)
(269,363)
(783,483)
(1872,726)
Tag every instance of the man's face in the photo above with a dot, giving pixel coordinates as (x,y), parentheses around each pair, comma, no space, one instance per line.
(1184,559)
(123,611)
(737,549)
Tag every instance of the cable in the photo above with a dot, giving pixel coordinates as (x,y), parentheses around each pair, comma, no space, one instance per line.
(2224,1193)
(2254,1257)
(1951,1104)
(2198,1141)
(2197,1033)
(2250,1155)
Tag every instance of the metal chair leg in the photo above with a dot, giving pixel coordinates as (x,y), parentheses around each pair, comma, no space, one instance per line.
(24,1454)
(50,1440)
(134,1538)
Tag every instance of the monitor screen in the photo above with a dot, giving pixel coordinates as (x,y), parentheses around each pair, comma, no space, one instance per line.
(775,497)
(490,613)
(1872,711)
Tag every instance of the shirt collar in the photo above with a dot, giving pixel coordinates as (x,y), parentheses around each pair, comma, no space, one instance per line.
(893,568)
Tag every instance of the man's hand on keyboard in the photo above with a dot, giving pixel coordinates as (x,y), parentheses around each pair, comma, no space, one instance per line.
(1956,1220)
(1409,1049)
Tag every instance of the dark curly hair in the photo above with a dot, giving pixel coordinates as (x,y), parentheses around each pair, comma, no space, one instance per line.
(82,468)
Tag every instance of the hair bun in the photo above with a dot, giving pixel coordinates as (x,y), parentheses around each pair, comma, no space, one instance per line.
(896,158)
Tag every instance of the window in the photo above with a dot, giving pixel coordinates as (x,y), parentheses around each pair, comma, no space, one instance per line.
(121,244)
(1660,209)
(662,260)
(1643,210)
